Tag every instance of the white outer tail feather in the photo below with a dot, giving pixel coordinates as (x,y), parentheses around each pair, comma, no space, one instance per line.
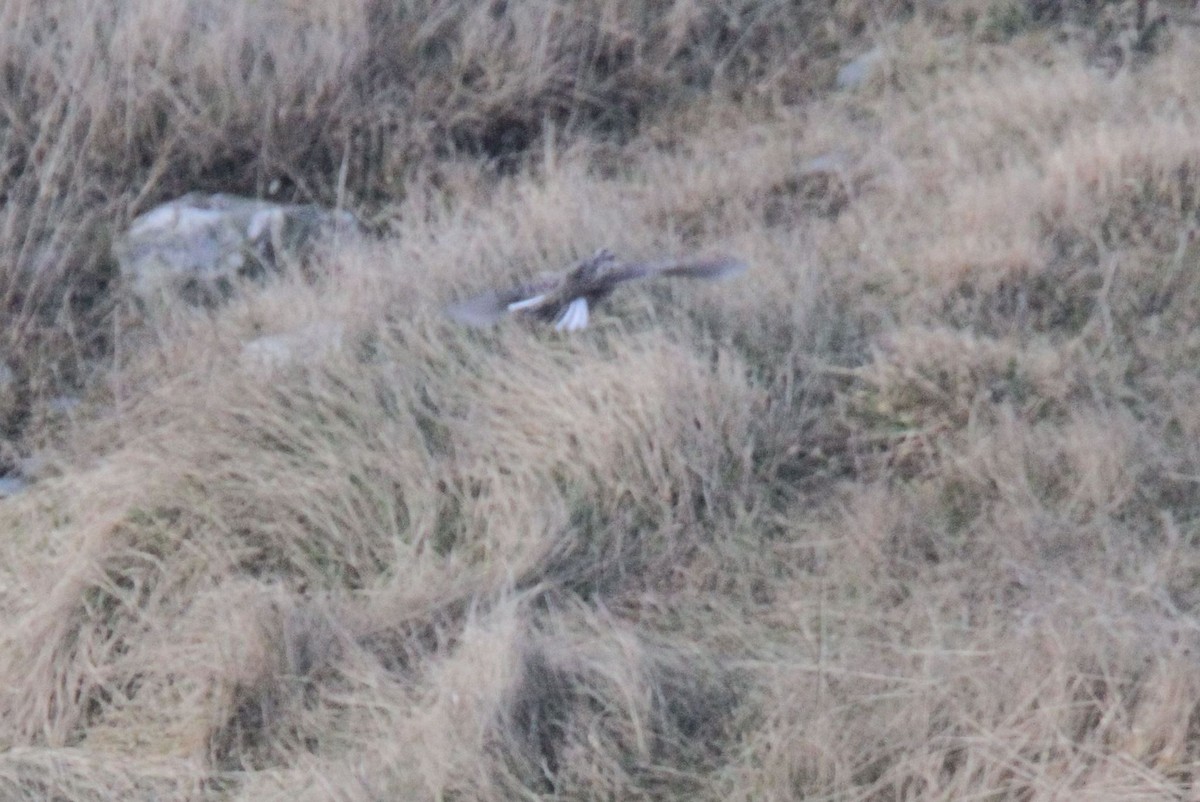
(574,318)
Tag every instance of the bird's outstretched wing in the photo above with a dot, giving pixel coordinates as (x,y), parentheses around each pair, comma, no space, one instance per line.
(544,298)
(490,308)
(710,268)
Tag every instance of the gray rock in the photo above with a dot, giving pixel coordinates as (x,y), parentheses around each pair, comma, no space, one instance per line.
(855,73)
(201,247)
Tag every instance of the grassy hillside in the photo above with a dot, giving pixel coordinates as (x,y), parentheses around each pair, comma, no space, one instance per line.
(910,510)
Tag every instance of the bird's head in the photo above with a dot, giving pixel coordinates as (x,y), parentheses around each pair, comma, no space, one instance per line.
(596,267)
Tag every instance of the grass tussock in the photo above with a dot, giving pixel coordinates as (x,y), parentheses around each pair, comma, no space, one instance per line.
(910,510)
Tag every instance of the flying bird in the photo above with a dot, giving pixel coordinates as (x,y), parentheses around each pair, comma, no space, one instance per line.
(566,299)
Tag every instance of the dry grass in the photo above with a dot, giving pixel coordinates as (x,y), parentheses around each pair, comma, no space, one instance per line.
(109,108)
(909,511)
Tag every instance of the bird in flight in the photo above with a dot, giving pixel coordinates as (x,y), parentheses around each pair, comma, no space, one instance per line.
(566,299)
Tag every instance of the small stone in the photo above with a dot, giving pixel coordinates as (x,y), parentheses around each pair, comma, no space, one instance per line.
(63,404)
(853,74)
(827,163)
(275,351)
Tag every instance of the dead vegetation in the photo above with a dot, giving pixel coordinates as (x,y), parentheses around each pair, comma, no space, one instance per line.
(910,510)
(110,109)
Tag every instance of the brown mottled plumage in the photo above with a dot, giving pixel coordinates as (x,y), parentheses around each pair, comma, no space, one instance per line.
(565,299)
